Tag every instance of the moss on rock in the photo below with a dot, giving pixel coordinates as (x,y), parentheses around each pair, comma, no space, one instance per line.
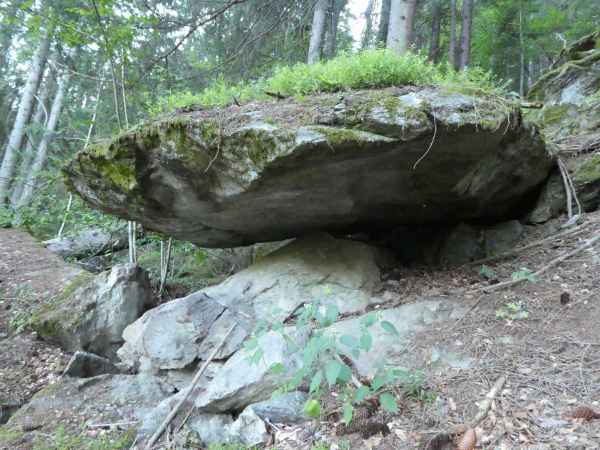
(589,171)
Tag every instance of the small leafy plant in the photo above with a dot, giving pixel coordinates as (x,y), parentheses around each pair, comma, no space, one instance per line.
(524,274)
(324,362)
(512,311)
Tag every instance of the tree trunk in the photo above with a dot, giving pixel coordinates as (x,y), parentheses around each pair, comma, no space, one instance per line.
(317,31)
(368,32)
(337,6)
(25,106)
(384,22)
(452,53)
(402,14)
(436,22)
(42,152)
(523,69)
(467,24)
(39,120)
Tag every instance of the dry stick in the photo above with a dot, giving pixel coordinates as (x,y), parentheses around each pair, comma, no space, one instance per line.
(589,243)
(528,246)
(568,195)
(487,402)
(164,264)
(187,394)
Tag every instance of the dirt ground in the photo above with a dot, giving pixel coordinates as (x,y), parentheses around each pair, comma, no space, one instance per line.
(550,357)
(547,347)
(29,274)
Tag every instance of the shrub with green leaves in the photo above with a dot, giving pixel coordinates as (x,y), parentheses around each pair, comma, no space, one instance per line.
(323,367)
(369,69)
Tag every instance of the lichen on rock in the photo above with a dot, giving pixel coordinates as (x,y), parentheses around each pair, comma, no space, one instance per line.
(236,176)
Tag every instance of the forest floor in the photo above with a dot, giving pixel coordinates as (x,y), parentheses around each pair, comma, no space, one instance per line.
(28,274)
(543,337)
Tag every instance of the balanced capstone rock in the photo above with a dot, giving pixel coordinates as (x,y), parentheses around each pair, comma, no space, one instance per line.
(270,171)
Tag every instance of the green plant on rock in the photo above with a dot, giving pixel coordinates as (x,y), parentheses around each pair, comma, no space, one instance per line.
(512,311)
(524,274)
(63,440)
(324,361)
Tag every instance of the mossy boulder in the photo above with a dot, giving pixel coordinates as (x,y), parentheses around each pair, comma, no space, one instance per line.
(338,162)
(570,122)
(92,311)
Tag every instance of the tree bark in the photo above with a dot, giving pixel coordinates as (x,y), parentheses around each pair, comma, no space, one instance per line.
(39,120)
(384,22)
(15,139)
(402,14)
(337,6)
(42,152)
(368,32)
(452,46)
(317,31)
(436,22)
(523,69)
(467,24)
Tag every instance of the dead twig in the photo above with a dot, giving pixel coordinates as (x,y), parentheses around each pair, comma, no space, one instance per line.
(484,409)
(188,392)
(531,245)
(589,243)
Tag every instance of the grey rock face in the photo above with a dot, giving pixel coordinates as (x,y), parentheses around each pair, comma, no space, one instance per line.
(242,382)
(102,399)
(408,320)
(93,311)
(290,176)
(286,408)
(317,267)
(87,242)
(87,365)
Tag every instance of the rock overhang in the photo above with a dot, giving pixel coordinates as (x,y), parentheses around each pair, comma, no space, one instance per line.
(264,172)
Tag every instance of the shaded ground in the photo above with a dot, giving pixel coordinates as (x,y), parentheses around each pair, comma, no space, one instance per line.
(29,274)
(550,356)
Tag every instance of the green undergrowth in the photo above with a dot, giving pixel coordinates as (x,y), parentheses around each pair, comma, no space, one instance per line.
(63,440)
(369,69)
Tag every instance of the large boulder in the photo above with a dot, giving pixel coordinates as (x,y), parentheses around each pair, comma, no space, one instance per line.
(88,242)
(93,311)
(74,404)
(317,267)
(570,122)
(264,172)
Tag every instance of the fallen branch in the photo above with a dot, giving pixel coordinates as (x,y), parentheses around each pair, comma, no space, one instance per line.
(532,245)
(188,392)
(484,409)
(93,426)
(589,243)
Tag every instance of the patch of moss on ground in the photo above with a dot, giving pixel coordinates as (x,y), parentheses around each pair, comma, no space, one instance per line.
(64,440)
(589,171)
(9,436)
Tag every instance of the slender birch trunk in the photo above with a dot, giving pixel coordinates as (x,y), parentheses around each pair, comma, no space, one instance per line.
(384,22)
(467,25)
(42,151)
(15,139)
(522,71)
(402,15)
(40,120)
(317,31)
(452,47)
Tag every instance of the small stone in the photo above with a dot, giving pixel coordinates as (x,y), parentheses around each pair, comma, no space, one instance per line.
(565,298)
